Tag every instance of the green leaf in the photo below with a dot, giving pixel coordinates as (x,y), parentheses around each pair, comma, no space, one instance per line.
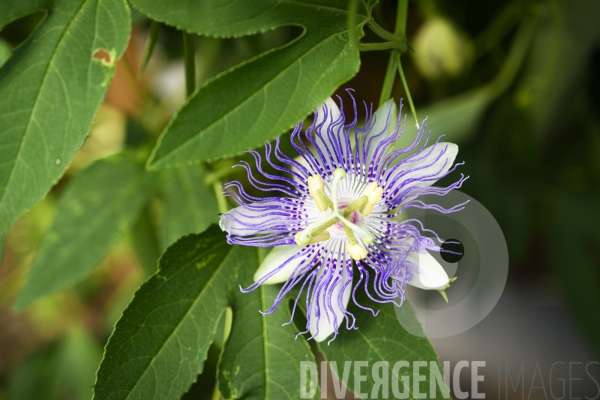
(2,247)
(456,117)
(79,357)
(63,371)
(151,42)
(190,207)
(34,375)
(256,101)
(144,239)
(573,240)
(50,89)
(5,52)
(382,338)
(160,343)
(93,214)
(262,359)
(554,71)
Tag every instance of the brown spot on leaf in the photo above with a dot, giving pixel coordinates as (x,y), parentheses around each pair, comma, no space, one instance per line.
(103,55)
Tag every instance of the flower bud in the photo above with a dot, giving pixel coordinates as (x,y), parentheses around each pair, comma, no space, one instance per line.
(442,50)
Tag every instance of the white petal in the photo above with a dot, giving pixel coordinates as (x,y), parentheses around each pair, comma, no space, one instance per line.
(275,259)
(323,326)
(387,114)
(328,112)
(430,164)
(242,221)
(262,217)
(431,274)
(302,161)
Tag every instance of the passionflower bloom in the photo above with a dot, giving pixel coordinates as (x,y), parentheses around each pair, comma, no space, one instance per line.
(338,204)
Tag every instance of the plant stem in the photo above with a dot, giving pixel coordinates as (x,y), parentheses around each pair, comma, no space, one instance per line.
(390,73)
(221,202)
(190,62)
(393,44)
(217,175)
(402,46)
(382,33)
(216,394)
(401,17)
(352,24)
(388,81)
(406,90)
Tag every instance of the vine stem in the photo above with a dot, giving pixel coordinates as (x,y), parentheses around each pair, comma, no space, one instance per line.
(382,33)
(401,17)
(388,81)
(221,202)
(406,90)
(390,73)
(189,57)
(214,179)
(394,42)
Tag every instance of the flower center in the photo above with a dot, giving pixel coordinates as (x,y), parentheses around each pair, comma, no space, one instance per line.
(345,217)
(355,217)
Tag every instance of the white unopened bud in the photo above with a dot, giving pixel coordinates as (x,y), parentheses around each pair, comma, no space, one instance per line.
(441,49)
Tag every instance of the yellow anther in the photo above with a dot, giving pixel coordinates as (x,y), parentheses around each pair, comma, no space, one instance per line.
(318,230)
(302,238)
(369,188)
(356,251)
(373,193)
(317,192)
